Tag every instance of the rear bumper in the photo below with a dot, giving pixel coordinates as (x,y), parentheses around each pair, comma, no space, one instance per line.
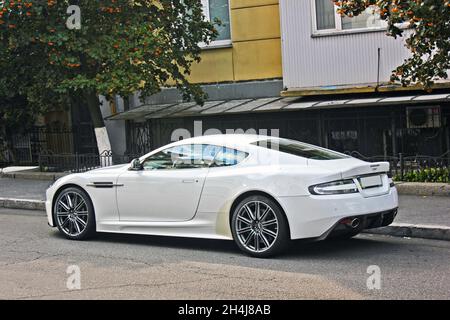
(314,216)
(364,222)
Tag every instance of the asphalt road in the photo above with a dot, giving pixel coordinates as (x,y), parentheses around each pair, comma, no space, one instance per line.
(34,261)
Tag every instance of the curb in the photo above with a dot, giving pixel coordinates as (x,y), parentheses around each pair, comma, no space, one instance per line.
(423,189)
(46,176)
(22,204)
(435,232)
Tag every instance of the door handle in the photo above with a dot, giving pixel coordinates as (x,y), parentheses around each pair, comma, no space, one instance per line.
(190,181)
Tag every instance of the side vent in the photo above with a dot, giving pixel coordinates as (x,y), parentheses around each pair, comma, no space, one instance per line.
(104,185)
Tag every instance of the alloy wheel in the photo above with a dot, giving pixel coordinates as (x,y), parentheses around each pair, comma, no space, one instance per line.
(257,226)
(72,213)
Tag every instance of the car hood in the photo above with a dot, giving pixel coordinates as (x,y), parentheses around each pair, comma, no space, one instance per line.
(111,169)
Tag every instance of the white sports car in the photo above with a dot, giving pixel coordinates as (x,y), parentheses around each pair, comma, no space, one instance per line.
(259,191)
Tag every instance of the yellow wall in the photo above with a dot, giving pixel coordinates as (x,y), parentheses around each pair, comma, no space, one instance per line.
(255,52)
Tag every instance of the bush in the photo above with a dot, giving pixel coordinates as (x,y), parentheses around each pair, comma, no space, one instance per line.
(439,174)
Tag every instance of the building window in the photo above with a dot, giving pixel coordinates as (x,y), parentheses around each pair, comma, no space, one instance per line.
(219,10)
(328,21)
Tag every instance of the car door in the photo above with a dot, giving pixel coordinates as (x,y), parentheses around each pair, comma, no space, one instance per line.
(169,186)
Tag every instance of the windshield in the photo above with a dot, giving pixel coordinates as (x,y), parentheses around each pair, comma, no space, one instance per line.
(300,149)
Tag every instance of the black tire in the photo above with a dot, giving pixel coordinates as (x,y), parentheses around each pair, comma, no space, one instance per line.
(89,229)
(278,244)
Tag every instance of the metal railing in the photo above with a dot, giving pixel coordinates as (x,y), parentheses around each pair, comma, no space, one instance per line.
(75,163)
(402,166)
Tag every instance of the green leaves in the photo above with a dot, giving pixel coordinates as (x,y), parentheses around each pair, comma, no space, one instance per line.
(425,23)
(123,46)
(432,174)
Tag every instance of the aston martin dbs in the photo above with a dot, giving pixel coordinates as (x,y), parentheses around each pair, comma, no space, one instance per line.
(259,191)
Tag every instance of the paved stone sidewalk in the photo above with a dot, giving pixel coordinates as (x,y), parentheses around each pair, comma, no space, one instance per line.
(424,210)
(23,188)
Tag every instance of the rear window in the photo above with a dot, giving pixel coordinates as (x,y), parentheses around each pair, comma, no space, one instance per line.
(300,149)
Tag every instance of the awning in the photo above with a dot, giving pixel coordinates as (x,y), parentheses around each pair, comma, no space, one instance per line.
(177,110)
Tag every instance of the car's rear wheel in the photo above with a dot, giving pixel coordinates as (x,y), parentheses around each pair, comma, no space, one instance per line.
(74,214)
(259,227)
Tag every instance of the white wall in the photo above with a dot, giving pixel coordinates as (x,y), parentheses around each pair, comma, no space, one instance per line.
(333,60)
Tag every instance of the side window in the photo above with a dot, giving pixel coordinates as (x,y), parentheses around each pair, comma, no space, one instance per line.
(192,156)
(160,160)
(229,157)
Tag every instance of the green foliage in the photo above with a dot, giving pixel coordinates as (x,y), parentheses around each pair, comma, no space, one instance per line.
(438,174)
(425,23)
(123,46)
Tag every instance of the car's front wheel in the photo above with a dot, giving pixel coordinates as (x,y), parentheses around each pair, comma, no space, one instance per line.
(74,214)
(259,227)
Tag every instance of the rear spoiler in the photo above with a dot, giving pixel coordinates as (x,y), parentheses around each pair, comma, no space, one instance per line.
(366,169)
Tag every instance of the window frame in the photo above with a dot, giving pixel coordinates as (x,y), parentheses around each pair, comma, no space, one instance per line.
(209,166)
(338,25)
(283,142)
(173,168)
(216,43)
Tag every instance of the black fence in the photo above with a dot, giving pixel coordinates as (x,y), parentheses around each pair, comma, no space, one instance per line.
(50,162)
(5,157)
(410,168)
(415,168)
(26,147)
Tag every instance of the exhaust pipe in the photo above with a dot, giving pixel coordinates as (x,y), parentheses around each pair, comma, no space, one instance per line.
(352,223)
(355,223)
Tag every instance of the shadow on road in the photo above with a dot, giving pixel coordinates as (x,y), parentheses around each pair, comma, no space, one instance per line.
(359,246)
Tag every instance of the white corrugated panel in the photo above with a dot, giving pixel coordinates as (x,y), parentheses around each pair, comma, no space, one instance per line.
(332,60)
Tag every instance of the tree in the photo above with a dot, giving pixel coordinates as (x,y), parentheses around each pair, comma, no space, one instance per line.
(51,50)
(429,41)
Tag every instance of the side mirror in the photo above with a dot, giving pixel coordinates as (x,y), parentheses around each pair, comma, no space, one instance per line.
(136,165)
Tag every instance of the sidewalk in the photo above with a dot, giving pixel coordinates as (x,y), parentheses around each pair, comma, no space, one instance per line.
(421,216)
(23,188)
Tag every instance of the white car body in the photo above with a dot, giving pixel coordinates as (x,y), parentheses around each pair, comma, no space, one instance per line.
(198,202)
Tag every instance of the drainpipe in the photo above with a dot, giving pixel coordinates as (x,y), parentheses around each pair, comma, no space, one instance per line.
(378,68)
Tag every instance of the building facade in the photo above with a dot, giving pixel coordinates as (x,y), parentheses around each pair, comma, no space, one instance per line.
(299,68)
(242,65)
(352,59)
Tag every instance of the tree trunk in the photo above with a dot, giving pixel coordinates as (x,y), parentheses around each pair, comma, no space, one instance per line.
(101,134)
